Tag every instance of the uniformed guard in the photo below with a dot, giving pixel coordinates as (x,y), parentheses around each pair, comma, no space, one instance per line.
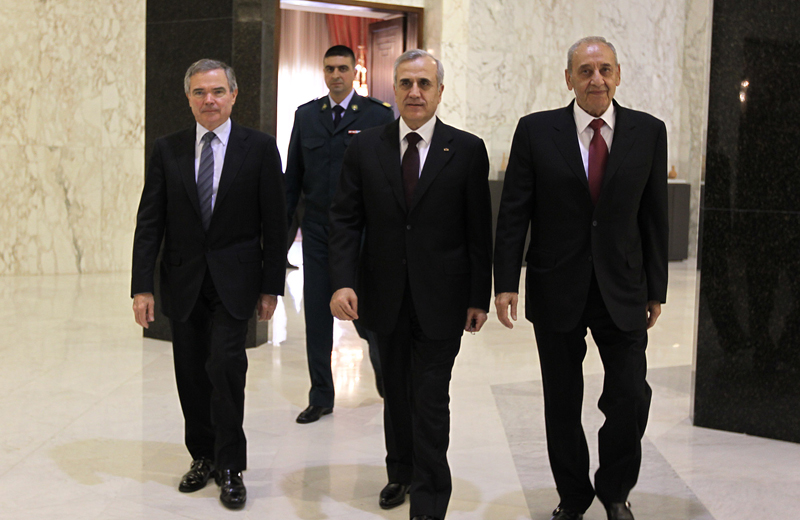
(322,130)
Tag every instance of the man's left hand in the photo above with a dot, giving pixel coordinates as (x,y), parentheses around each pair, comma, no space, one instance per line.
(475,319)
(266,306)
(653,312)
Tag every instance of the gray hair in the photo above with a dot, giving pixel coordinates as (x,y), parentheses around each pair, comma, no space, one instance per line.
(589,39)
(206,65)
(414,54)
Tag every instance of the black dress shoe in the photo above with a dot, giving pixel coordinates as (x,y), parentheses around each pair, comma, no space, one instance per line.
(566,514)
(424,517)
(379,385)
(392,495)
(619,511)
(313,413)
(197,476)
(232,492)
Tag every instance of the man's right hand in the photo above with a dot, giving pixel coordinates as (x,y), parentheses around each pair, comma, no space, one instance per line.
(344,304)
(502,302)
(144,308)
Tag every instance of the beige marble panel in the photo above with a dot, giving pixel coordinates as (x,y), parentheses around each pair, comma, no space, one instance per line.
(72,108)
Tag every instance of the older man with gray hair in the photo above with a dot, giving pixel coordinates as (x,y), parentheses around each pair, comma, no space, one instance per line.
(419,190)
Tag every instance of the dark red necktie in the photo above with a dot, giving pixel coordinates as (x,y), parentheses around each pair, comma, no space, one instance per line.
(598,157)
(410,166)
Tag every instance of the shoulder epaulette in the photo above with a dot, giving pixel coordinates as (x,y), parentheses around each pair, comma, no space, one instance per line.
(379,102)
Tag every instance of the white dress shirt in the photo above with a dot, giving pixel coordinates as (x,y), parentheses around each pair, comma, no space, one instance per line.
(585,134)
(218,147)
(425,132)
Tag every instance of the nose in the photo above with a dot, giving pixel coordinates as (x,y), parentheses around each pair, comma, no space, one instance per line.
(597,78)
(208,99)
(414,92)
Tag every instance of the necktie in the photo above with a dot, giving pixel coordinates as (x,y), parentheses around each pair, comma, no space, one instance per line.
(205,179)
(337,115)
(410,166)
(598,157)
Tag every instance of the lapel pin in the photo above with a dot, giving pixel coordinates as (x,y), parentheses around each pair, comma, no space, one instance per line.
(355,107)
(324,106)
(447,149)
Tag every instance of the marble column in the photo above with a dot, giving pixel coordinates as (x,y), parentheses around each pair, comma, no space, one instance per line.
(242,33)
(748,335)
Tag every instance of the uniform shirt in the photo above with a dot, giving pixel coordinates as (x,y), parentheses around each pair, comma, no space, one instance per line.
(344,104)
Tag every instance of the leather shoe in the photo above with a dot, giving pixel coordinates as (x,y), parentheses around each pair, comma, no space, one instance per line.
(392,495)
(424,517)
(313,413)
(232,492)
(619,511)
(197,476)
(566,514)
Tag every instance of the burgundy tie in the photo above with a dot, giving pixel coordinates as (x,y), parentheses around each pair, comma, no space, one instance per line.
(598,157)
(410,166)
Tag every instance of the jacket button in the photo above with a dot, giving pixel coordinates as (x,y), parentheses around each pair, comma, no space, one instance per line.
(404,261)
(594,223)
(590,258)
(408,227)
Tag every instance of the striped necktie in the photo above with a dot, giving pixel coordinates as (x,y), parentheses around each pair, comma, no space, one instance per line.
(205,179)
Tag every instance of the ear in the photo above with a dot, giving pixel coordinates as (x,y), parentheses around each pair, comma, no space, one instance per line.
(233,96)
(569,80)
(619,72)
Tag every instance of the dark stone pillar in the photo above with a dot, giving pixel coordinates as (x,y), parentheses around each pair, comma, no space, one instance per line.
(242,33)
(748,335)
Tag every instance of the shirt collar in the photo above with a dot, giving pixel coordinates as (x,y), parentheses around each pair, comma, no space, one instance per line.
(345,102)
(425,131)
(583,118)
(223,132)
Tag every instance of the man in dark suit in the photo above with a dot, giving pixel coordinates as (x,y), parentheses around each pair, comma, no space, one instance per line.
(597,260)
(420,190)
(214,194)
(322,130)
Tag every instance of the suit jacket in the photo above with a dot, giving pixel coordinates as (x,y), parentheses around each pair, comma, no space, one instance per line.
(623,239)
(244,248)
(440,246)
(316,150)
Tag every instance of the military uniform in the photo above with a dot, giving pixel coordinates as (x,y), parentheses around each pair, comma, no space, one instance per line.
(313,166)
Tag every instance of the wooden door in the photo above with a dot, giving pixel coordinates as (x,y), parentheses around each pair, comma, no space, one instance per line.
(386,43)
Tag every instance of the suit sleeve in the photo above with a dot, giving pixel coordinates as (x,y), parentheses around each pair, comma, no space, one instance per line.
(274,229)
(295,169)
(514,216)
(654,222)
(346,221)
(150,223)
(479,229)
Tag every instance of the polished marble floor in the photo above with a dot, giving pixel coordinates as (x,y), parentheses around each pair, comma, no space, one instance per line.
(91,426)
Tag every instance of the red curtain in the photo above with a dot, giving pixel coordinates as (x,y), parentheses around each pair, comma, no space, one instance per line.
(349,30)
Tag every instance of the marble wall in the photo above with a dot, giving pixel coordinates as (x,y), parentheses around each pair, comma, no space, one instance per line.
(71,148)
(506,58)
(73,71)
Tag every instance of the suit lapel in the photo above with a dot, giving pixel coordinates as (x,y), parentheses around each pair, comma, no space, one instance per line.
(354,110)
(439,154)
(566,140)
(325,116)
(624,137)
(389,157)
(235,154)
(185,158)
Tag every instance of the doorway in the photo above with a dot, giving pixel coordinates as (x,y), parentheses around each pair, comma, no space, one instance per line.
(377,33)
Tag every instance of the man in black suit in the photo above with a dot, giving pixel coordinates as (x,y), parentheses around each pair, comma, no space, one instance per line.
(419,189)
(597,260)
(214,194)
(322,130)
